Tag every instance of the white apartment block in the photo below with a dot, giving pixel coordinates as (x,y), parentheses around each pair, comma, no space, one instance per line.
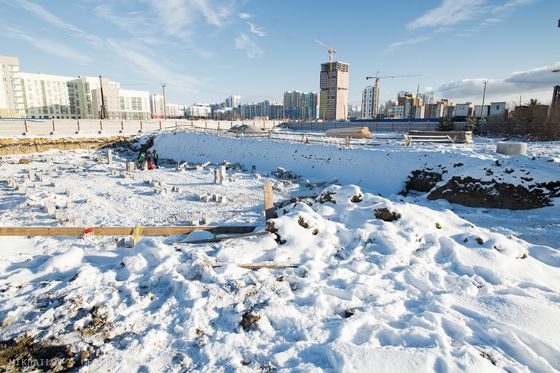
(175,111)
(9,107)
(45,96)
(157,103)
(198,111)
(134,104)
(34,95)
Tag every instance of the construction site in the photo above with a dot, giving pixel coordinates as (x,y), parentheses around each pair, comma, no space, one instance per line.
(267,251)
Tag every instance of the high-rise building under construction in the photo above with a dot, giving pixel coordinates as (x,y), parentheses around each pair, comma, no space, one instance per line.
(333,100)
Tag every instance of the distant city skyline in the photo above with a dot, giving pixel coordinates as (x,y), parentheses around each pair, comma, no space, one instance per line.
(207,50)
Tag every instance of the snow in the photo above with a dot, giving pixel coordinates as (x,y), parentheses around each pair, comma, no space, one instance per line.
(442,288)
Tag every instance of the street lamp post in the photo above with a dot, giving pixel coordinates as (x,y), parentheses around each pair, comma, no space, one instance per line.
(482,108)
(163,85)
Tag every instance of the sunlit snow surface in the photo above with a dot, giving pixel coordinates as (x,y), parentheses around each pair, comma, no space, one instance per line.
(428,292)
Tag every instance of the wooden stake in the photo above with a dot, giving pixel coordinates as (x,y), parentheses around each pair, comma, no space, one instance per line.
(120,231)
(269,212)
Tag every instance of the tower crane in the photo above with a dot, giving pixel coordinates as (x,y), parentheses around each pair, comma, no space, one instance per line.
(332,51)
(376,77)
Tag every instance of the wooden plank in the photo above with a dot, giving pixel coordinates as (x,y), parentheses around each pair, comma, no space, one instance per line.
(256,266)
(121,231)
(269,212)
(218,239)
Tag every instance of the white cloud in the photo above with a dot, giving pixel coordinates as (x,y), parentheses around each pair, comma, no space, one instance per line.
(245,16)
(177,17)
(245,43)
(537,82)
(215,14)
(259,31)
(453,12)
(46,16)
(46,45)
(448,13)
(54,20)
(131,22)
(153,70)
(402,43)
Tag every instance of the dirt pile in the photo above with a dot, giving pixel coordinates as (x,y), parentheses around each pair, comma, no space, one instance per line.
(473,192)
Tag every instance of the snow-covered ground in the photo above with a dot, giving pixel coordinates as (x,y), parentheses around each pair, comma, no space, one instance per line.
(439,288)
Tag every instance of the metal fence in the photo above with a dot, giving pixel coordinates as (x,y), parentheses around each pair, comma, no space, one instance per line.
(95,127)
(381,126)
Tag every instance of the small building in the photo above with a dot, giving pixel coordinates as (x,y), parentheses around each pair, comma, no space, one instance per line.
(463,111)
(498,110)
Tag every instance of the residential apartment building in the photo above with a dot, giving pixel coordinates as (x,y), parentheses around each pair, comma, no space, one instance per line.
(35,95)
(334,82)
(369,103)
(10,96)
(198,111)
(300,105)
(45,96)
(263,109)
(232,101)
(134,104)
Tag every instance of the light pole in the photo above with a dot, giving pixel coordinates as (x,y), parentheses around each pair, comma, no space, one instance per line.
(163,85)
(482,108)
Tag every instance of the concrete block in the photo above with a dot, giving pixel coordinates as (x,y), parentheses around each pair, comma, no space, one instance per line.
(128,242)
(49,208)
(60,215)
(511,148)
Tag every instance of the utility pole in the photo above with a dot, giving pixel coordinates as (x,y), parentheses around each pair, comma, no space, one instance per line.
(103,113)
(163,85)
(482,108)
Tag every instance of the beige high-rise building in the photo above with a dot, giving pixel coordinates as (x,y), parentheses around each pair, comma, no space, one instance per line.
(9,90)
(333,100)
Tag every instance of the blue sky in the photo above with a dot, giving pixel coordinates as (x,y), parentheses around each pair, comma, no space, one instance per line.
(206,50)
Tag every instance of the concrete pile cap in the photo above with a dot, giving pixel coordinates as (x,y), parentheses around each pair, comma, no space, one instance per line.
(511,148)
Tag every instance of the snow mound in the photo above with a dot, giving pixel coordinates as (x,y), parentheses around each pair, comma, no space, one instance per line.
(340,289)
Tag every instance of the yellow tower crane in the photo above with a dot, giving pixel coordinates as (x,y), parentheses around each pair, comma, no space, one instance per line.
(332,51)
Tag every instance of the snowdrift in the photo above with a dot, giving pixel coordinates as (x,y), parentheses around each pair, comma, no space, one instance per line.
(384,170)
(424,291)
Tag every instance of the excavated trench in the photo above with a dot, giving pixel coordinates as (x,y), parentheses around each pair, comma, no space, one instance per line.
(37,145)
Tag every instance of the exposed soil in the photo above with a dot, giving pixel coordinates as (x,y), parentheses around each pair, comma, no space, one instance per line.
(422,181)
(24,353)
(473,192)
